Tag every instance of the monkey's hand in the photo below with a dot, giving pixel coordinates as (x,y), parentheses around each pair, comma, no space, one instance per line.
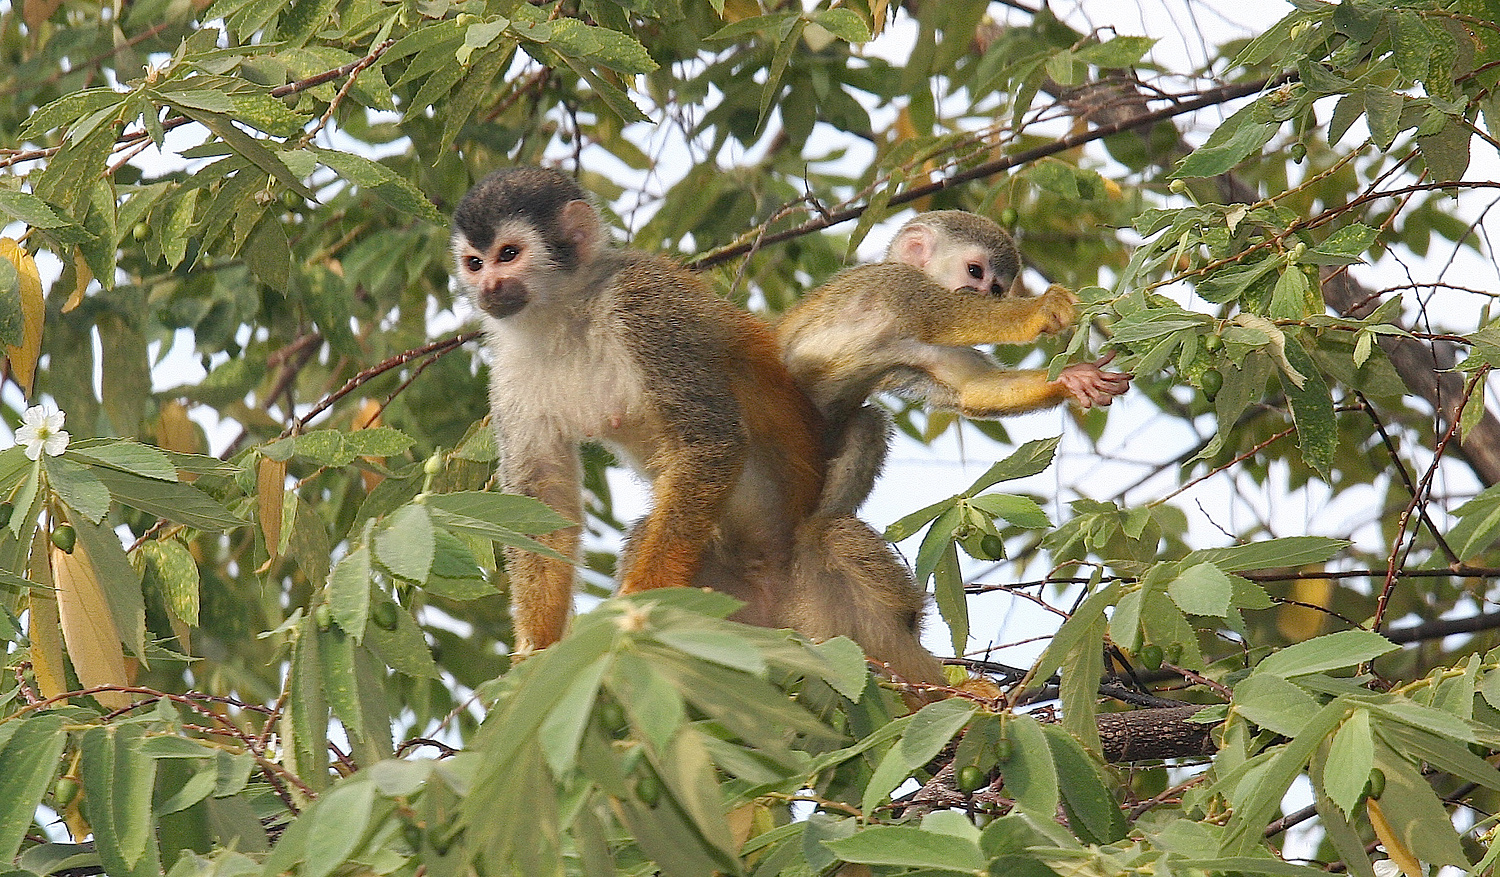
(1056,309)
(1090,385)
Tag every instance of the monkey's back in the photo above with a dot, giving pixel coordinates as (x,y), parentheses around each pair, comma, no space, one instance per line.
(715,349)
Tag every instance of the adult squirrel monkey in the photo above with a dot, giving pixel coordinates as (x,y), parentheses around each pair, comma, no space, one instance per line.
(949,281)
(593,343)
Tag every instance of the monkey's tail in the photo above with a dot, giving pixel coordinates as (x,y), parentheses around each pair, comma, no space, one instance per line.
(850,583)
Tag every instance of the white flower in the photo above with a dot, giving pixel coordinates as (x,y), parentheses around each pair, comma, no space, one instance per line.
(43,432)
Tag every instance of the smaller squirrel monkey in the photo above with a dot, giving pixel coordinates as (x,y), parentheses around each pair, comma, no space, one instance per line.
(906,324)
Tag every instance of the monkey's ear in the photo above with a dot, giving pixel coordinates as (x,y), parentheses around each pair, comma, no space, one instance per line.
(580,223)
(914,245)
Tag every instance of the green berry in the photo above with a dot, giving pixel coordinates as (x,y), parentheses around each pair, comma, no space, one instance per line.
(1151,656)
(970,778)
(1212,382)
(648,789)
(385,615)
(64,791)
(65,537)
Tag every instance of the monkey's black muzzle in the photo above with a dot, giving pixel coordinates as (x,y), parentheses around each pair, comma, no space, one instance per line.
(503,300)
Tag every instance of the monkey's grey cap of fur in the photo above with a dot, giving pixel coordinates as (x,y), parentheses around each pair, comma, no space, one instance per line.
(531,195)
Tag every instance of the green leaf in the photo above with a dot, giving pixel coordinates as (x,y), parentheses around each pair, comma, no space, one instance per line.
(349,592)
(126,456)
(1122,51)
(902,846)
(1350,757)
(170,568)
(1415,813)
(28,761)
(1211,161)
(181,503)
(338,825)
(1273,702)
(1087,795)
(1289,551)
(1021,511)
(1260,801)
(948,593)
(1078,628)
(405,544)
(1333,651)
(395,190)
(252,149)
(117,782)
(563,728)
(77,487)
(843,23)
(1030,773)
(1312,410)
(910,524)
(1029,459)
(1202,589)
(1347,245)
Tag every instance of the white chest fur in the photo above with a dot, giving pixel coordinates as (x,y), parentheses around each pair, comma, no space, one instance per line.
(563,379)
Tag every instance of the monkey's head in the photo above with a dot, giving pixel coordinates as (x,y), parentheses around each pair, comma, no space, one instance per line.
(518,234)
(958,250)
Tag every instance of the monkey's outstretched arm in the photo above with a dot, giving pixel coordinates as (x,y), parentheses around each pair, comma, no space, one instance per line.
(967,381)
(963,319)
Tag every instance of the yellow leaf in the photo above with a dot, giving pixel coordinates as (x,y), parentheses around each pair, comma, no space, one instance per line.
(270,487)
(1399,852)
(42,626)
(175,431)
(1298,623)
(33,311)
(368,417)
(739,10)
(84,275)
(92,640)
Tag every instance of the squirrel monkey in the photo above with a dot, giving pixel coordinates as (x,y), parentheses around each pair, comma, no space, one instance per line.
(593,343)
(949,281)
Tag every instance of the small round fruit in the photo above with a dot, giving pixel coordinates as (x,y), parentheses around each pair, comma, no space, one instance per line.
(970,778)
(1151,656)
(612,717)
(648,789)
(323,616)
(1212,382)
(992,546)
(140,231)
(1009,217)
(1375,785)
(65,537)
(1299,152)
(385,615)
(64,791)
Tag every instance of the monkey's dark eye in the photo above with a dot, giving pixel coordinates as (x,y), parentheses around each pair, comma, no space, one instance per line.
(976,270)
(509,252)
(473,263)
